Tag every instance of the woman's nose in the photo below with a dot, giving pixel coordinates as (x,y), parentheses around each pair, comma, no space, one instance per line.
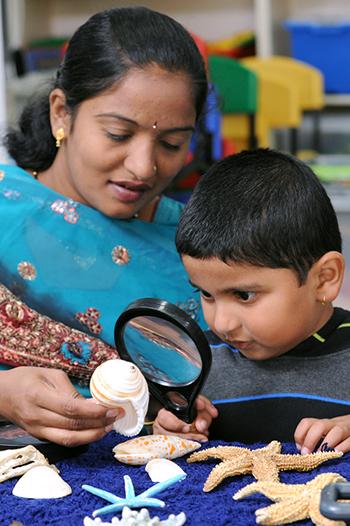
(141,162)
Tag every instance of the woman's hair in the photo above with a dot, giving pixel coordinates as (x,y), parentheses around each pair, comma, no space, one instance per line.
(260,207)
(101,52)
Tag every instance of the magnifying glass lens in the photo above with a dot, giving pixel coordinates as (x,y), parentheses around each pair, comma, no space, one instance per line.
(169,348)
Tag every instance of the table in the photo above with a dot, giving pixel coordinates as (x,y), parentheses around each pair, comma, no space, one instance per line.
(98,467)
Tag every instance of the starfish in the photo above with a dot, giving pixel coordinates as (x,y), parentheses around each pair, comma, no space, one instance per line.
(131,500)
(293,502)
(263,463)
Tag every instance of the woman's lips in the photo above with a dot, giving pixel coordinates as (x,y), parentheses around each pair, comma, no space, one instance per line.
(127,194)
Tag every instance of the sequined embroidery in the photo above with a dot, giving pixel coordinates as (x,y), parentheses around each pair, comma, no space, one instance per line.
(36,340)
(90,319)
(15,314)
(2,175)
(13,195)
(85,262)
(120,255)
(67,209)
(26,270)
(191,307)
(76,352)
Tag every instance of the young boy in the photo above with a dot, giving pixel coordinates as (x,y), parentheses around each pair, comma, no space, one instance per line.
(260,240)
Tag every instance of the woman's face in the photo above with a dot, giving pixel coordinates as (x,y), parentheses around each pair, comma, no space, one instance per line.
(125,145)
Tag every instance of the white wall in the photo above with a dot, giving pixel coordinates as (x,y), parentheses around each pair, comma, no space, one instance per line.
(210,19)
(3,113)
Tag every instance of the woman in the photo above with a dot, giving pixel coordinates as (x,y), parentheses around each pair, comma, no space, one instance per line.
(85,229)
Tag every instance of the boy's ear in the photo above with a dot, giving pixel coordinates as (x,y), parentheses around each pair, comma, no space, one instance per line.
(59,114)
(329,274)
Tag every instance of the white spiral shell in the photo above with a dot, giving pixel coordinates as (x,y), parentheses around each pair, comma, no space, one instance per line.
(118,383)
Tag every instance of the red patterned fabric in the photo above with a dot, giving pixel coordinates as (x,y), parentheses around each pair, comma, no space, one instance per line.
(29,338)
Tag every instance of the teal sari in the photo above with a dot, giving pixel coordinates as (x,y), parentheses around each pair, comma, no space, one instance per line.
(79,267)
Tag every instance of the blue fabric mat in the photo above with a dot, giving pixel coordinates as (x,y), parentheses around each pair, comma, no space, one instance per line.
(98,467)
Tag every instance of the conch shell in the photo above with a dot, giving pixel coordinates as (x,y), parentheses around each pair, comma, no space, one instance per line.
(118,383)
(41,482)
(142,449)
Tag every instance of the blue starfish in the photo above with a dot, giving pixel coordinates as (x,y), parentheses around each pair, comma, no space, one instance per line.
(131,500)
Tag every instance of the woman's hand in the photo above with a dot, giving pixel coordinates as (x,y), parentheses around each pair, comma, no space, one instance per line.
(45,403)
(315,433)
(168,424)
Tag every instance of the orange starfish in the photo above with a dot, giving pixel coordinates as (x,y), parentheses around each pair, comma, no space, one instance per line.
(293,502)
(263,463)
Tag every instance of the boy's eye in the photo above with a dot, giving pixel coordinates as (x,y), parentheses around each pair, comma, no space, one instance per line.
(205,294)
(244,295)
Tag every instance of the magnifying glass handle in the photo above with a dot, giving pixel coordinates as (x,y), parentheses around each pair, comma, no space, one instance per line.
(188,415)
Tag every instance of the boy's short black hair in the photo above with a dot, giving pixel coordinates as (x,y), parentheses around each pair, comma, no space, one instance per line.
(260,207)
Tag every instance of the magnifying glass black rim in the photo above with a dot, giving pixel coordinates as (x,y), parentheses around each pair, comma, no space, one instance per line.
(168,311)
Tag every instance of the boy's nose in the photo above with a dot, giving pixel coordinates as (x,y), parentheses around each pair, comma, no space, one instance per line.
(226,322)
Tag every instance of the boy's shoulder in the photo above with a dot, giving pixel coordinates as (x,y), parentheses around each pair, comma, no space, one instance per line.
(332,337)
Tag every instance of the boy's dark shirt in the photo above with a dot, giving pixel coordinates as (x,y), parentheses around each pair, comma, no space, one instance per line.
(265,400)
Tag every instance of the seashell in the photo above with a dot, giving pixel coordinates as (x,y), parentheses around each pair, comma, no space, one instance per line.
(16,462)
(160,469)
(141,518)
(41,482)
(142,449)
(118,383)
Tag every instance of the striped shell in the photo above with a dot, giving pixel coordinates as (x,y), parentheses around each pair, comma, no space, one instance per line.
(117,383)
(141,450)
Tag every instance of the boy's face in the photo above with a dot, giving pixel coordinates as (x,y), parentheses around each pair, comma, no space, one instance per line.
(261,311)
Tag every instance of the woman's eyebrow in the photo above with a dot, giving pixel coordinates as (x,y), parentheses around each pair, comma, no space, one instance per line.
(135,123)
(178,129)
(117,116)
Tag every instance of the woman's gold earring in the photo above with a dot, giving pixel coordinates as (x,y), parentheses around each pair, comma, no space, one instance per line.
(323,302)
(59,137)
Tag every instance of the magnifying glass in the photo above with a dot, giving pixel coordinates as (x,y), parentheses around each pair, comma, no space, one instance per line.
(169,348)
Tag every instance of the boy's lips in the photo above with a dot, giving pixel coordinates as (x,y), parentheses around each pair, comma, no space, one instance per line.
(240,345)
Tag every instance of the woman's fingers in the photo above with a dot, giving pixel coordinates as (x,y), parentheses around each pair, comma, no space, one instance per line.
(69,438)
(48,406)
